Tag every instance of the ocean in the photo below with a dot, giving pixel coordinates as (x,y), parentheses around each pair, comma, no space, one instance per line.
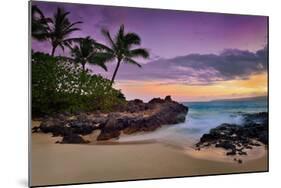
(201,117)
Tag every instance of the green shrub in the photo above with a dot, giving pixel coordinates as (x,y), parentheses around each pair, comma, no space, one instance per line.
(58,85)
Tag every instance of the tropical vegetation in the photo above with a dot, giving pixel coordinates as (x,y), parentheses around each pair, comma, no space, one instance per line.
(86,52)
(63,83)
(121,49)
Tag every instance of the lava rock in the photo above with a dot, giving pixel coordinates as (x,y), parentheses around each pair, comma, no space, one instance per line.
(237,138)
(73,139)
(164,112)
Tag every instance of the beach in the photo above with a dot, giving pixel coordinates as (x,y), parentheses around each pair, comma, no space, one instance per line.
(111,161)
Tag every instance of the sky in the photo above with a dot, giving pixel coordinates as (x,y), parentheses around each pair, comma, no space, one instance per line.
(194,56)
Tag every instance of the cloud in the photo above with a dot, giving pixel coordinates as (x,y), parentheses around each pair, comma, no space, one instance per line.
(200,69)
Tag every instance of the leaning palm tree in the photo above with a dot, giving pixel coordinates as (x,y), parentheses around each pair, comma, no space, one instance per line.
(39,23)
(85,52)
(121,49)
(60,29)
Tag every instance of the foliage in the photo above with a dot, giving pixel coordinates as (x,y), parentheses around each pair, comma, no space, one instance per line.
(85,52)
(121,49)
(61,29)
(58,85)
(56,29)
(39,23)
(62,84)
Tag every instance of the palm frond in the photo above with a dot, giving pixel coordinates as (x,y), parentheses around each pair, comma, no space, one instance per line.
(67,43)
(36,10)
(100,63)
(139,52)
(121,31)
(40,36)
(61,46)
(47,20)
(39,24)
(132,38)
(102,57)
(61,14)
(131,61)
(71,25)
(67,32)
(119,38)
(107,35)
(103,47)
(71,40)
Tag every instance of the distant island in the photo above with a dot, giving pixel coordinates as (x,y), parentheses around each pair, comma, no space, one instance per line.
(259,98)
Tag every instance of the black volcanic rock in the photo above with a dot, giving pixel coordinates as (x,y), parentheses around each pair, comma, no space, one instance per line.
(111,129)
(226,144)
(134,116)
(156,101)
(73,139)
(163,112)
(256,118)
(168,98)
(237,138)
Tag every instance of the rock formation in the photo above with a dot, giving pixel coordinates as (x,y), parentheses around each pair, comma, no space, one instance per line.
(134,116)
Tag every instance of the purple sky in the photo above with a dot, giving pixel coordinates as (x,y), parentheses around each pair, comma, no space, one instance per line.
(187,48)
(165,33)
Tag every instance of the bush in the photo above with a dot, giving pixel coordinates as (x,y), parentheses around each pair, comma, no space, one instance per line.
(58,85)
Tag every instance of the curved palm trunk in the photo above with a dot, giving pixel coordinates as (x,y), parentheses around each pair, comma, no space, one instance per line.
(115,71)
(53,50)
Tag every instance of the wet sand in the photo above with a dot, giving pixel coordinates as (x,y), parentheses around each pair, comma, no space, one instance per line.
(110,161)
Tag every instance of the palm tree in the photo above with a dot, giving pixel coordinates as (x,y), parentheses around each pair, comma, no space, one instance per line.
(39,23)
(85,52)
(121,49)
(59,29)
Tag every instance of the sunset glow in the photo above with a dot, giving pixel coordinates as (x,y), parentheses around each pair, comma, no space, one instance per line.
(256,85)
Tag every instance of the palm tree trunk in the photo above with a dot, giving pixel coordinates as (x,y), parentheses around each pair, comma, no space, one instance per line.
(53,50)
(83,66)
(115,71)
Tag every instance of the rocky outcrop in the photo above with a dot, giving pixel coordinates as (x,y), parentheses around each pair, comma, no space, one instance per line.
(111,128)
(237,138)
(159,112)
(65,126)
(134,116)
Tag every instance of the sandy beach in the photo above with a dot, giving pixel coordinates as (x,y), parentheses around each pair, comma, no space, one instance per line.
(110,161)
